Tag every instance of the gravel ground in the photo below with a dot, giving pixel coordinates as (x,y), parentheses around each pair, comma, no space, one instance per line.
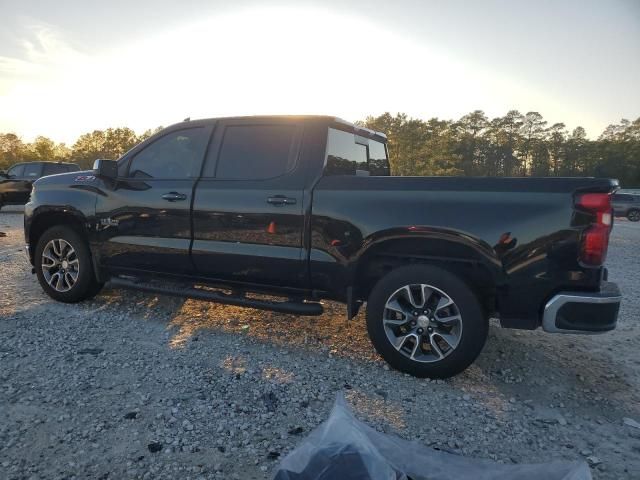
(131,385)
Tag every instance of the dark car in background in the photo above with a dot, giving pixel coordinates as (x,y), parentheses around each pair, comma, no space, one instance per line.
(626,205)
(15,184)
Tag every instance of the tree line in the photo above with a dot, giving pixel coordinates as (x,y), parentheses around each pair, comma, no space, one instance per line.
(515,144)
(109,143)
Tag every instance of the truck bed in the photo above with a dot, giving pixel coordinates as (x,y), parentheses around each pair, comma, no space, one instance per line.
(521,233)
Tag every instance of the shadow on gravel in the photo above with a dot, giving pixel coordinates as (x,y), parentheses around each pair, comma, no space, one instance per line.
(526,387)
(513,362)
(329,332)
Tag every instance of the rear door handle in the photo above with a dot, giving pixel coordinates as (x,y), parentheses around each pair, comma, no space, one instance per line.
(281,200)
(174,196)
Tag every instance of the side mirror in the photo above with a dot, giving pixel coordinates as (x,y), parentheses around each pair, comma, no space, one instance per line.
(106,168)
(4,174)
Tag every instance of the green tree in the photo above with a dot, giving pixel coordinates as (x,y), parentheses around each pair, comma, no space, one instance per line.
(61,153)
(514,144)
(406,138)
(417,147)
(557,146)
(110,143)
(576,150)
(532,133)
(438,156)
(617,152)
(148,133)
(504,135)
(118,141)
(43,149)
(11,149)
(540,161)
(471,143)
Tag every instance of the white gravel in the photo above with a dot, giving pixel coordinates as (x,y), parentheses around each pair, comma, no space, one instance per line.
(138,386)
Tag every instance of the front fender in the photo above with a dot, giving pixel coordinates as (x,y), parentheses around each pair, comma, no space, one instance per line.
(53,204)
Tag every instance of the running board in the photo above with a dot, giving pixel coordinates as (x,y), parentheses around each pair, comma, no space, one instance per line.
(295,308)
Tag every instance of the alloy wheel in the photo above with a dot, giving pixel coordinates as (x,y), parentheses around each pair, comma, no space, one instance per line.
(422,322)
(60,265)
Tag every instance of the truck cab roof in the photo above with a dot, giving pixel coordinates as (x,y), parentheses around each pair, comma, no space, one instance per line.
(335,122)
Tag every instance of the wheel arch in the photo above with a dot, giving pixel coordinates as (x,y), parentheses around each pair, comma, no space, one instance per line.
(472,261)
(44,219)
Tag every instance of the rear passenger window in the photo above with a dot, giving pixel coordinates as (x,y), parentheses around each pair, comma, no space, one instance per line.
(32,170)
(378,162)
(344,155)
(53,168)
(350,154)
(254,152)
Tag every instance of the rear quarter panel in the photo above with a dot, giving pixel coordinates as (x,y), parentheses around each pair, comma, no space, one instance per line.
(524,232)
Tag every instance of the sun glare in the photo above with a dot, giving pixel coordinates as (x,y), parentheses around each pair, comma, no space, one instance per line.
(256,61)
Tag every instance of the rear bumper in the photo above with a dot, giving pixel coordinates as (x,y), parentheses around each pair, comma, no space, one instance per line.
(583,312)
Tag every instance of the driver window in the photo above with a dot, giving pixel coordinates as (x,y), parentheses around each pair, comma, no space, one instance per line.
(172,156)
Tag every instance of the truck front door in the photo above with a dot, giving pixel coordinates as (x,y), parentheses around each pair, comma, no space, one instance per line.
(144,220)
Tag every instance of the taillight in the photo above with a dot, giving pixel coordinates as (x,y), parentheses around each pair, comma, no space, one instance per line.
(595,239)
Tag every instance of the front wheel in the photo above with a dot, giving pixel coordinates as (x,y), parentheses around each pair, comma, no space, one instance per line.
(425,321)
(634,215)
(64,267)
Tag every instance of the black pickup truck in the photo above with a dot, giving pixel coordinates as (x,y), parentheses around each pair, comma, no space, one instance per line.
(281,212)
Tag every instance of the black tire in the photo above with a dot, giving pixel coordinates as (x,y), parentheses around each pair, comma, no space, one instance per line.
(95,290)
(473,324)
(633,215)
(86,286)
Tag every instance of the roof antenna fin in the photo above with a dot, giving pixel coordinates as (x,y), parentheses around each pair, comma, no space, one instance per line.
(187,119)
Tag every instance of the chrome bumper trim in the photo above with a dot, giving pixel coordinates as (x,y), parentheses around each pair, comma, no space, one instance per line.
(556,302)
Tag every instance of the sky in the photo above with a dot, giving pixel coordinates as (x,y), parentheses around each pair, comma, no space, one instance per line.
(69,67)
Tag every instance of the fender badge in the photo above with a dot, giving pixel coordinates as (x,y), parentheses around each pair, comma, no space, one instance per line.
(84,178)
(109,222)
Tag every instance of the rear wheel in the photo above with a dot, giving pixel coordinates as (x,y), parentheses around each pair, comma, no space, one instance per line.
(633,215)
(64,267)
(425,321)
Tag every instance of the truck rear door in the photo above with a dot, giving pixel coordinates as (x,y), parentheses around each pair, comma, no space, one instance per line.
(248,208)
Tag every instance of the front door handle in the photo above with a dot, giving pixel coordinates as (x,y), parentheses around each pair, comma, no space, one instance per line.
(174,196)
(281,200)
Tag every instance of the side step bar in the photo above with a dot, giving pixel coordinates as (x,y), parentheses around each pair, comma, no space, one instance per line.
(295,308)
